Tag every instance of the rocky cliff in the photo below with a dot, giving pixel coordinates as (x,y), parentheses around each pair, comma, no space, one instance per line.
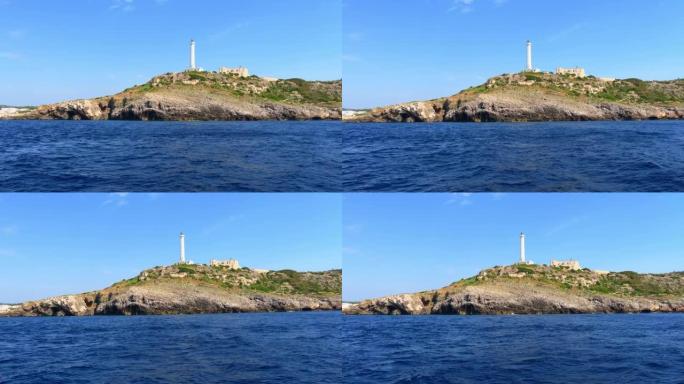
(543,97)
(187,289)
(538,289)
(204,96)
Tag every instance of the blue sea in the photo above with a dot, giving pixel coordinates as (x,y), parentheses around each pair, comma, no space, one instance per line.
(643,348)
(614,156)
(132,156)
(327,347)
(228,348)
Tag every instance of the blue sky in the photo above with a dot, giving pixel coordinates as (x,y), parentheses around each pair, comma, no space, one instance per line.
(397,51)
(398,243)
(56,50)
(54,244)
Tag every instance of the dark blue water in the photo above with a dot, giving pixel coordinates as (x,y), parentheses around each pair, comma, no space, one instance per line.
(645,348)
(559,156)
(230,348)
(131,156)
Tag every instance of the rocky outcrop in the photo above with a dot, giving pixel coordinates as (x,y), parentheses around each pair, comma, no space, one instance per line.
(491,300)
(525,293)
(511,98)
(203,96)
(163,107)
(163,291)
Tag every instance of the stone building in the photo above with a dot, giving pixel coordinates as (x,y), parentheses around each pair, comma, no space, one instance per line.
(577,71)
(572,264)
(240,71)
(230,263)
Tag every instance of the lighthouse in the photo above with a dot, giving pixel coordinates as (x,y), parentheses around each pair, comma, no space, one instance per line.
(522,248)
(192,55)
(529,56)
(182,248)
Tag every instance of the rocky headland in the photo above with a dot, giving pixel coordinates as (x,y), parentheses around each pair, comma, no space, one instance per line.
(203,96)
(191,289)
(538,289)
(539,96)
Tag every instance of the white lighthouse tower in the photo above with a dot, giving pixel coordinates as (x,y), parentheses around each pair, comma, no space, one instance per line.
(522,248)
(529,56)
(192,55)
(182,248)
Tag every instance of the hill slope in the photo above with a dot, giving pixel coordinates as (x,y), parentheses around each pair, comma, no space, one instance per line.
(539,289)
(531,96)
(184,289)
(205,96)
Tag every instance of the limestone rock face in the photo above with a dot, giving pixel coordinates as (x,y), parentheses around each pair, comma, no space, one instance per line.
(71,110)
(540,290)
(168,301)
(504,108)
(485,302)
(162,290)
(70,305)
(512,98)
(203,96)
(156,107)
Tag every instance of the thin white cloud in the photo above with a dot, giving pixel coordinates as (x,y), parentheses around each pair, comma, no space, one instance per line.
(463,6)
(566,32)
(566,224)
(116,199)
(461,199)
(122,5)
(467,6)
(222,224)
(498,195)
(229,30)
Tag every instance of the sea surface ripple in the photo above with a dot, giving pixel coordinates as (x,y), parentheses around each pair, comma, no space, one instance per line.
(643,348)
(135,156)
(227,348)
(613,156)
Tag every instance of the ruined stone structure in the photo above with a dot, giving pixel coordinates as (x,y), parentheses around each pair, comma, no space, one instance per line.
(572,264)
(230,263)
(240,71)
(577,71)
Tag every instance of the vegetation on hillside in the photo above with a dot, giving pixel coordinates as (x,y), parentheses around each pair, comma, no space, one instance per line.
(282,282)
(625,283)
(290,91)
(590,87)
